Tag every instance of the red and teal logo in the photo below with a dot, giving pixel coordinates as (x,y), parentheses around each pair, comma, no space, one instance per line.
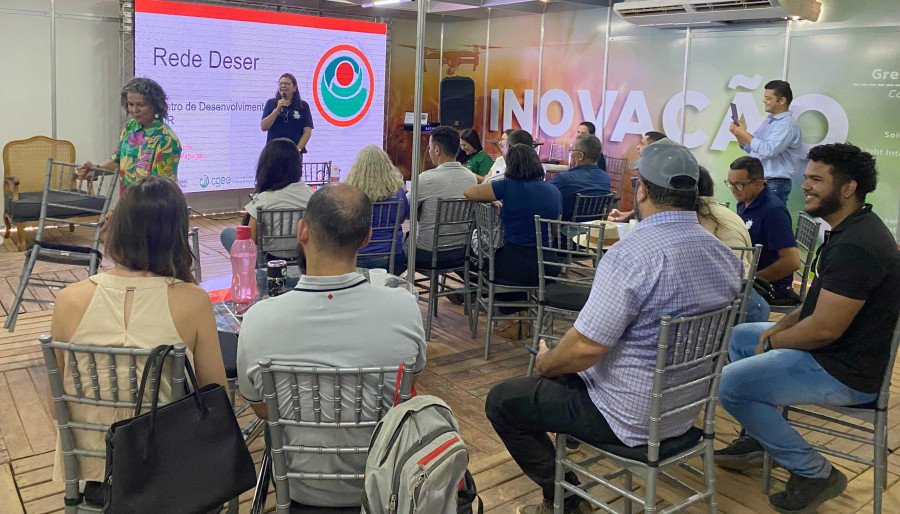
(343,85)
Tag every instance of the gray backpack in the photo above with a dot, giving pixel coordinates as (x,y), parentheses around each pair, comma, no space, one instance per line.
(416,461)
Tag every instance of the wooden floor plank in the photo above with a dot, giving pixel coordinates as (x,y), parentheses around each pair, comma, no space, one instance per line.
(32,411)
(9,496)
(11,428)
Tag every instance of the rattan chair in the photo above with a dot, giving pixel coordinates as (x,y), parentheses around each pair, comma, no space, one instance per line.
(690,355)
(105,377)
(66,199)
(324,399)
(24,165)
(807,235)
(862,424)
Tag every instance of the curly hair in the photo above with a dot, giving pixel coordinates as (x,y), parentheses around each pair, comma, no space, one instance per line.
(848,163)
(374,174)
(151,91)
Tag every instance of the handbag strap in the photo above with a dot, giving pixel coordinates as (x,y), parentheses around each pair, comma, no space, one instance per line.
(154,363)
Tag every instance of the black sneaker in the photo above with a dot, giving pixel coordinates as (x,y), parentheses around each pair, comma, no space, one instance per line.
(743,453)
(803,494)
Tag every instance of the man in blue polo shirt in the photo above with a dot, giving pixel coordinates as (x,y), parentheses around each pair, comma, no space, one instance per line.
(777,141)
(584,176)
(769,224)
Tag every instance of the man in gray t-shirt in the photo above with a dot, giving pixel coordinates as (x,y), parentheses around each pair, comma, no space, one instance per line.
(334,317)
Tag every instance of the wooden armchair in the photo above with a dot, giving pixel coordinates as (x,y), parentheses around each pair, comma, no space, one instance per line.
(24,166)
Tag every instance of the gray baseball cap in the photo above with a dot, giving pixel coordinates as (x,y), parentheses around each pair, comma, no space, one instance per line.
(661,162)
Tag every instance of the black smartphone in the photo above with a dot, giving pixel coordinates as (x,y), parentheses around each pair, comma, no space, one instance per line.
(734,114)
(531,350)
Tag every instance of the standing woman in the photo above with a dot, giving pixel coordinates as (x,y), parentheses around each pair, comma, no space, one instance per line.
(147,145)
(472,155)
(287,115)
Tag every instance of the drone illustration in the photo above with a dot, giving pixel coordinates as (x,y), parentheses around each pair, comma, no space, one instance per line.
(453,59)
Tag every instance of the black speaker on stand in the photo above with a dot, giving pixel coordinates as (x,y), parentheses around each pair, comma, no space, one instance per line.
(457,102)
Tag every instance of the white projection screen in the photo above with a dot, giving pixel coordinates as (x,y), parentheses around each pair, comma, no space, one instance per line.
(219,66)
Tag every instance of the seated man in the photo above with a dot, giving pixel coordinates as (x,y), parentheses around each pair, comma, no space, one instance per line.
(447,180)
(595,383)
(584,175)
(833,349)
(769,224)
(627,210)
(332,318)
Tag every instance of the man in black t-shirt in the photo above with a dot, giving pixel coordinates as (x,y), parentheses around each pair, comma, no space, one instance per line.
(833,349)
(287,115)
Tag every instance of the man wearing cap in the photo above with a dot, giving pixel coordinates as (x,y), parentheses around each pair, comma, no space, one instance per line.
(594,384)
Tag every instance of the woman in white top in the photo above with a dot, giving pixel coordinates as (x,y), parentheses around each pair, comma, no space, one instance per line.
(278,186)
(148,299)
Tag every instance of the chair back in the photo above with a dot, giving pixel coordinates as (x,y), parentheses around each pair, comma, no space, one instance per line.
(592,207)
(196,271)
(302,398)
(575,262)
(387,220)
(884,393)
(489,234)
(749,256)
(26,159)
(615,168)
(690,354)
(66,196)
(276,233)
(452,226)
(807,235)
(316,174)
(102,376)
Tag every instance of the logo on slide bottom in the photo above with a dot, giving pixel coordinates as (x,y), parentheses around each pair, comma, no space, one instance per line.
(343,85)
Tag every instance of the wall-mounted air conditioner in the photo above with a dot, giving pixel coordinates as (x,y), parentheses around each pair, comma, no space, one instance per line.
(684,13)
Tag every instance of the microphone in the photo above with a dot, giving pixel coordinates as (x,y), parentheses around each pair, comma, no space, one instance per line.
(284,113)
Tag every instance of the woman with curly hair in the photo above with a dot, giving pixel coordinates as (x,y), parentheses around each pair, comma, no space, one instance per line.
(147,145)
(374,174)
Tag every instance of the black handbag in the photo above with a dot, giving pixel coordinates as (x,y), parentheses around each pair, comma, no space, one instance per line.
(184,457)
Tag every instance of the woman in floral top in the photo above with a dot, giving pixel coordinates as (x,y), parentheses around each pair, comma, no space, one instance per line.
(147,145)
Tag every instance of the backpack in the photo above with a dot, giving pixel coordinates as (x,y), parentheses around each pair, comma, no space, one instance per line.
(417,460)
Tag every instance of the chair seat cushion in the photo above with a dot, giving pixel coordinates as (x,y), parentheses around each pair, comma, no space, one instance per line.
(28,206)
(64,254)
(667,448)
(565,296)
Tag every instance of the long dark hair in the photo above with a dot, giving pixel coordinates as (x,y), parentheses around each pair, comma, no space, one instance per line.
(706,188)
(278,166)
(138,241)
(295,100)
(471,137)
(522,163)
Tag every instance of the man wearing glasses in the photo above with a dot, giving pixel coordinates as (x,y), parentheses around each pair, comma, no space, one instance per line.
(769,223)
(584,176)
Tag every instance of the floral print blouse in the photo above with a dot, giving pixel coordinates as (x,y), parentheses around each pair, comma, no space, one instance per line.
(154,150)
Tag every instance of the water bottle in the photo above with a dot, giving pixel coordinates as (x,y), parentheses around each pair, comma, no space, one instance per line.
(244,290)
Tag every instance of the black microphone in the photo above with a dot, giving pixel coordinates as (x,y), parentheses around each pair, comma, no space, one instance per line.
(284,113)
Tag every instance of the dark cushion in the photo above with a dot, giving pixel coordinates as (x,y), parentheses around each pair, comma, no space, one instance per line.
(565,296)
(64,254)
(667,448)
(28,206)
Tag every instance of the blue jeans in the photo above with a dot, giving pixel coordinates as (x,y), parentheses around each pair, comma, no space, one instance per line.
(382,261)
(757,308)
(754,387)
(781,187)
(228,237)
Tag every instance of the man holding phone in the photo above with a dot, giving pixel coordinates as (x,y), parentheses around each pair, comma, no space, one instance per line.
(776,142)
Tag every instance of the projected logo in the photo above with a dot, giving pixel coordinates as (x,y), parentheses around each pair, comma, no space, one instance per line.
(343,85)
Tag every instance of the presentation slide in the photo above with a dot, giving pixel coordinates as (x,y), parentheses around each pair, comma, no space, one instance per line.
(219,66)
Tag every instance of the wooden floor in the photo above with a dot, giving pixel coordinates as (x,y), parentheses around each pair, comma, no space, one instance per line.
(456,372)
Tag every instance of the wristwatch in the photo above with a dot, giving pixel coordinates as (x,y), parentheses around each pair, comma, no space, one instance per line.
(767,344)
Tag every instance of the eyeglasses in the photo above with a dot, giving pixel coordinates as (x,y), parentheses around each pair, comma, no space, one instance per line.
(286,84)
(738,186)
(573,149)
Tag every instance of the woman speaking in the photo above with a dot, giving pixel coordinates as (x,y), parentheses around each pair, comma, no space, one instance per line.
(287,115)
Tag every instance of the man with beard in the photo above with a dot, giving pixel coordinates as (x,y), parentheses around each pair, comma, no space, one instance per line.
(833,349)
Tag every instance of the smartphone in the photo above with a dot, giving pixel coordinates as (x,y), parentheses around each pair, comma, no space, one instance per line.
(734,114)
(531,350)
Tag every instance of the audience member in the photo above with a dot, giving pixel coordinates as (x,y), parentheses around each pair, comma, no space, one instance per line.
(515,137)
(595,383)
(833,349)
(472,156)
(584,175)
(769,224)
(627,206)
(374,174)
(777,141)
(585,128)
(499,165)
(524,195)
(147,299)
(278,186)
(447,180)
(332,318)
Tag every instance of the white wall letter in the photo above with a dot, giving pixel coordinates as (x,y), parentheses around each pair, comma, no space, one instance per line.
(672,118)
(568,113)
(511,107)
(635,106)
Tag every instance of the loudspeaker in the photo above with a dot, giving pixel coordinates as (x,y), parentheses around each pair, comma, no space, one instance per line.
(457,102)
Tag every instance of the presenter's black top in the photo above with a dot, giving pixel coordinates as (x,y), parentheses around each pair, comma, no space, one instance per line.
(290,122)
(859,260)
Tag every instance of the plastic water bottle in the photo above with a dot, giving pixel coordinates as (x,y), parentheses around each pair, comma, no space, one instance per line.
(244,290)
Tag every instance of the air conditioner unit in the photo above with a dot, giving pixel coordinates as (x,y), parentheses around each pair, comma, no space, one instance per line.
(685,13)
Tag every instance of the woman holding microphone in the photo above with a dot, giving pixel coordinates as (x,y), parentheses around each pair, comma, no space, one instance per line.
(287,115)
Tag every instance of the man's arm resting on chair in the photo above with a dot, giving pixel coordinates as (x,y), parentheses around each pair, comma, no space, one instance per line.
(574,353)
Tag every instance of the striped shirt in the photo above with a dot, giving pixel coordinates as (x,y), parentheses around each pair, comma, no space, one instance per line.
(668,265)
